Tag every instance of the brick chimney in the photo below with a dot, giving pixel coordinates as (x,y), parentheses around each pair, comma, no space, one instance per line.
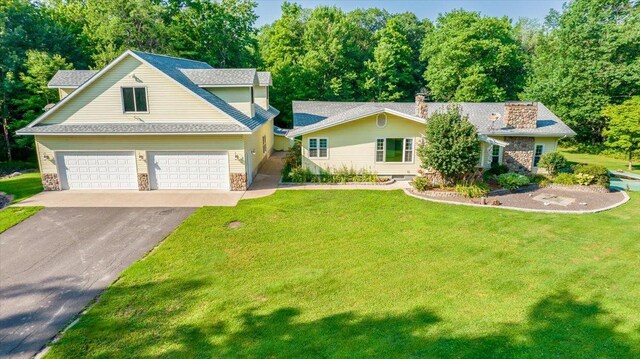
(421,105)
(520,114)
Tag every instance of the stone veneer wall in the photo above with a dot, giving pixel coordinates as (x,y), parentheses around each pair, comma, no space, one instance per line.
(521,115)
(518,155)
(421,105)
(50,182)
(238,182)
(143,182)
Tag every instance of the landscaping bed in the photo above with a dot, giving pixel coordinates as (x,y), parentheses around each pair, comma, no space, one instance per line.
(532,199)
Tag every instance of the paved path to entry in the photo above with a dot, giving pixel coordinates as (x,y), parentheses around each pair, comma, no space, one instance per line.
(55,262)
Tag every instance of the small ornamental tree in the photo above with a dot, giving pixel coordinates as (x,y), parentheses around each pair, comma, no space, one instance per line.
(623,131)
(452,146)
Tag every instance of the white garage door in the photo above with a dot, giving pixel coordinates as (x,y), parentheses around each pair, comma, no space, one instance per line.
(97,170)
(189,170)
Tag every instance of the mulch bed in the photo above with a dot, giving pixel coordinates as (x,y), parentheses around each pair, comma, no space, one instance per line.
(583,201)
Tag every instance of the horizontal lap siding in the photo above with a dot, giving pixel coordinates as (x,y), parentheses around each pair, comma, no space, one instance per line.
(101,102)
(254,142)
(238,97)
(46,145)
(353,145)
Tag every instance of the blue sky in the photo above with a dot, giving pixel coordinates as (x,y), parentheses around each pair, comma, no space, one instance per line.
(269,10)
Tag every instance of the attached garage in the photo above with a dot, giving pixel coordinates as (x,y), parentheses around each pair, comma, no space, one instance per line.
(189,170)
(97,170)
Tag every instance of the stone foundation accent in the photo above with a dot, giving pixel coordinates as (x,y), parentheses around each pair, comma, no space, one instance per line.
(521,114)
(143,182)
(592,188)
(518,155)
(238,182)
(50,182)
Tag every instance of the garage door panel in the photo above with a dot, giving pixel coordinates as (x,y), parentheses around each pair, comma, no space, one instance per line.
(189,170)
(97,170)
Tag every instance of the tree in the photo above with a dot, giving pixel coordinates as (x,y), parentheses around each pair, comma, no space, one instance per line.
(473,58)
(589,58)
(40,69)
(391,71)
(623,130)
(451,145)
(218,33)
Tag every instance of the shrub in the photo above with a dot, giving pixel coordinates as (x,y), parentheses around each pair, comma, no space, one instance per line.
(583,179)
(565,178)
(420,183)
(452,146)
(600,173)
(301,175)
(497,169)
(552,162)
(472,190)
(512,181)
(541,180)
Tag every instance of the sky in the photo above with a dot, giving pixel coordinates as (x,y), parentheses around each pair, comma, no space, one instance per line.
(269,10)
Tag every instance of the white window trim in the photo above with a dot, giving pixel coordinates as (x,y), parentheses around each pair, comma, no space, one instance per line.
(533,162)
(500,153)
(384,150)
(318,147)
(146,95)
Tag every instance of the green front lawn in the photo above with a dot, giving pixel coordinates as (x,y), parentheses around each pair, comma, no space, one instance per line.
(613,164)
(11,216)
(22,186)
(375,274)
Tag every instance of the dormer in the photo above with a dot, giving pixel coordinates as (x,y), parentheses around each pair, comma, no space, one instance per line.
(66,81)
(234,86)
(262,90)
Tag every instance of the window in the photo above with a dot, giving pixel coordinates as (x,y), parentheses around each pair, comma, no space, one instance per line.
(264,144)
(253,100)
(318,148)
(394,150)
(134,99)
(537,154)
(380,150)
(495,155)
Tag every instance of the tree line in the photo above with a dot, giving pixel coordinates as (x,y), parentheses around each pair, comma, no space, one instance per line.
(577,61)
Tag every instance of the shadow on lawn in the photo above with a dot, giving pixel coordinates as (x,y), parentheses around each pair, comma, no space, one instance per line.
(558,326)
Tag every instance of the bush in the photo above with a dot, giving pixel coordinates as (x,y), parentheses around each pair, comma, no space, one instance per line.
(420,183)
(497,169)
(600,173)
(553,162)
(566,179)
(472,190)
(541,180)
(301,175)
(512,181)
(583,179)
(451,145)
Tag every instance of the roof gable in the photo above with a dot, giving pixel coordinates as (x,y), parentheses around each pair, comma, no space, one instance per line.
(172,68)
(70,78)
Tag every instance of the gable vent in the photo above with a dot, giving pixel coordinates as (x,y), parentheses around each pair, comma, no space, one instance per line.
(381,120)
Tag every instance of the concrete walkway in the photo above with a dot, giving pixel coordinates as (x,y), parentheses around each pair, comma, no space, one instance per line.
(268,177)
(164,198)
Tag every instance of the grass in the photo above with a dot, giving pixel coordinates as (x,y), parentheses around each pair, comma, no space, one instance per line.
(11,216)
(613,164)
(22,187)
(375,274)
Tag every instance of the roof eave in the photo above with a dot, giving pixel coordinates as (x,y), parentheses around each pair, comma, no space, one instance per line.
(25,133)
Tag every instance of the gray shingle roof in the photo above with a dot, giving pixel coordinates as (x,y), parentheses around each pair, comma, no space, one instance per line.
(264,78)
(133,128)
(172,67)
(222,77)
(70,78)
(279,131)
(309,115)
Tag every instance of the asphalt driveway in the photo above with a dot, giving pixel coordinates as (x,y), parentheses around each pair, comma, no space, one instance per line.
(54,263)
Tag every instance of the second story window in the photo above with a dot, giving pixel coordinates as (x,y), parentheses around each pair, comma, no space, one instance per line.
(134,99)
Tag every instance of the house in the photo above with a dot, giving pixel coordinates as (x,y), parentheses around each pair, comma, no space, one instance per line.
(383,137)
(149,121)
